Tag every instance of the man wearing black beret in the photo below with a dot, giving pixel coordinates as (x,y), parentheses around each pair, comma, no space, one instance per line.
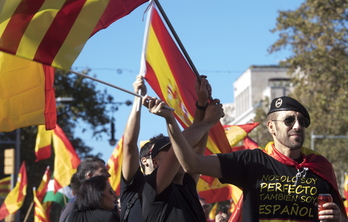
(281,182)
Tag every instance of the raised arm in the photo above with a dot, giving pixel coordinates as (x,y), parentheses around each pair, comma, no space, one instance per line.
(189,160)
(130,163)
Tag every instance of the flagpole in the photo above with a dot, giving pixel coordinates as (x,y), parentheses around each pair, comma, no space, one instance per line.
(97,80)
(119,88)
(178,41)
(182,48)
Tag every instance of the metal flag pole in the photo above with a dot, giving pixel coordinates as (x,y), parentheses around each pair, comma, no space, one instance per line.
(178,41)
(116,87)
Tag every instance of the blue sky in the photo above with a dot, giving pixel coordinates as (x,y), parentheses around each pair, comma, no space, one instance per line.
(223,38)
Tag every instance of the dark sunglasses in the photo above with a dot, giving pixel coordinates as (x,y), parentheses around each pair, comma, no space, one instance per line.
(290,121)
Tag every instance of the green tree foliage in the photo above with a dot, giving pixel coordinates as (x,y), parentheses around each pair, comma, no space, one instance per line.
(317,35)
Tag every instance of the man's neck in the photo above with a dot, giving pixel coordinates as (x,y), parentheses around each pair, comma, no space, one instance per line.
(286,151)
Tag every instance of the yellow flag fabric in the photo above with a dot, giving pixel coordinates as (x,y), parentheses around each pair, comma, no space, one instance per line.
(114,166)
(212,212)
(39,211)
(5,186)
(54,32)
(43,143)
(24,100)
(15,198)
(66,159)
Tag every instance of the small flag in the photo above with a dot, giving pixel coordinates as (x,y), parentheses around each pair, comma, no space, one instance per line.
(114,166)
(14,200)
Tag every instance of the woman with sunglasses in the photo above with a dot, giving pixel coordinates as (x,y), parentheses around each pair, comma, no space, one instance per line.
(281,182)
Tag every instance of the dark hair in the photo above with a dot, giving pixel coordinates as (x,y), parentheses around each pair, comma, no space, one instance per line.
(90,164)
(145,150)
(74,183)
(90,194)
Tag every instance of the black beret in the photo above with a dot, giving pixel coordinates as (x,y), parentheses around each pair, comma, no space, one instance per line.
(286,103)
(159,145)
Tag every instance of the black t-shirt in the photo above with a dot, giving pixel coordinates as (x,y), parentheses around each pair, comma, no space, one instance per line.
(128,191)
(176,202)
(271,191)
(92,216)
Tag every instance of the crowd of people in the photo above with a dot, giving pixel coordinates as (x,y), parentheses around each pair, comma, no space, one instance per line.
(158,183)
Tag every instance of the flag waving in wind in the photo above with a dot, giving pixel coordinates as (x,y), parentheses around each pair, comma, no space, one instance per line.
(172,78)
(15,198)
(26,93)
(54,32)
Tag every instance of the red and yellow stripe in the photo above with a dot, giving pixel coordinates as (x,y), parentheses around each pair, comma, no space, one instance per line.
(54,32)
(114,166)
(66,159)
(15,198)
(171,77)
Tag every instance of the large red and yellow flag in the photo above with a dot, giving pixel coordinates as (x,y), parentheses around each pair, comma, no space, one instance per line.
(39,211)
(66,159)
(15,198)
(26,93)
(43,143)
(172,78)
(114,167)
(54,32)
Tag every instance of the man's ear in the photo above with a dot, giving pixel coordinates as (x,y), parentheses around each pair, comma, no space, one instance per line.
(155,163)
(271,127)
(88,175)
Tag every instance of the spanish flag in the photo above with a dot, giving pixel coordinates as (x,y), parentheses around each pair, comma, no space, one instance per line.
(114,167)
(172,78)
(66,159)
(54,32)
(43,143)
(15,198)
(26,93)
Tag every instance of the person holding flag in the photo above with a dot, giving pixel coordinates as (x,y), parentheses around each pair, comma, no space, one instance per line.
(281,182)
(135,201)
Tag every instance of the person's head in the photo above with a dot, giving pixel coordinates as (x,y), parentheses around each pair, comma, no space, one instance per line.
(153,152)
(74,184)
(90,167)
(286,122)
(95,193)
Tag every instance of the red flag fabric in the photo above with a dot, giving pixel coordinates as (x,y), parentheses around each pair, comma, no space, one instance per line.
(172,78)
(39,211)
(15,198)
(66,159)
(5,186)
(54,32)
(43,143)
(42,189)
(26,93)
(114,167)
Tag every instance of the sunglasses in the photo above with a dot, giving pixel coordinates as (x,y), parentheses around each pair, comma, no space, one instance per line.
(290,121)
